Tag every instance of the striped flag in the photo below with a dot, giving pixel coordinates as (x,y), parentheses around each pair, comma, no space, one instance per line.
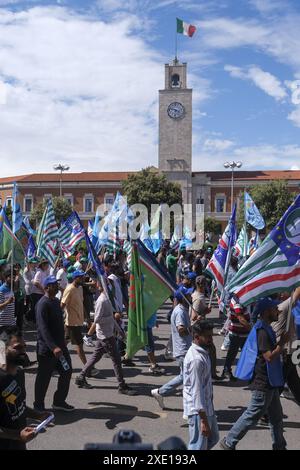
(113,242)
(275,266)
(128,250)
(218,265)
(240,248)
(47,235)
(71,233)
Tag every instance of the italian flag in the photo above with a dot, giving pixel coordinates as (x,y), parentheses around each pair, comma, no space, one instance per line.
(270,270)
(185,28)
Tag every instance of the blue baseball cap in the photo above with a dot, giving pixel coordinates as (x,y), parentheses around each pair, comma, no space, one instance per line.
(76,274)
(50,280)
(182,291)
(264,304)
(66,263)
(191,275)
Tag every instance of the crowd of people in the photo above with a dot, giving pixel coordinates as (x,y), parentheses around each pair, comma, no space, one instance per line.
(67,304)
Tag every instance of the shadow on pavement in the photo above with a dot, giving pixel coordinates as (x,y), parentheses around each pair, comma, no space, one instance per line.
(114,413)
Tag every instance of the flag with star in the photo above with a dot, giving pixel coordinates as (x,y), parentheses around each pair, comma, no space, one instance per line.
(275,266)
(150,286)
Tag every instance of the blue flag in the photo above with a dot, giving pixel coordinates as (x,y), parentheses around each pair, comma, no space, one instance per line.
(28,227)
(31,249)
(286,234)
(252,214)
(17,219)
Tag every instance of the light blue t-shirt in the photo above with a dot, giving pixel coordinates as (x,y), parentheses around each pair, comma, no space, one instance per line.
(180,317)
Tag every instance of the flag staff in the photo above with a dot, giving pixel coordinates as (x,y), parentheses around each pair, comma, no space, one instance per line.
(176,44)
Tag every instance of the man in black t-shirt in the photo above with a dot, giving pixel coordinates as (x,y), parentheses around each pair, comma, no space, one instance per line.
(265,397)
(14,432)
(52,351)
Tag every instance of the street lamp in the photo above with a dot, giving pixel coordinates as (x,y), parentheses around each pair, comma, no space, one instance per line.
(61,168)
(232,165)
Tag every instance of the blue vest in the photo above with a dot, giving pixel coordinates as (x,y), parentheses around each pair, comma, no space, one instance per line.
(249,354)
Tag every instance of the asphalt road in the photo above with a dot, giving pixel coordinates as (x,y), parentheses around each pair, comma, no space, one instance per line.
(101,412)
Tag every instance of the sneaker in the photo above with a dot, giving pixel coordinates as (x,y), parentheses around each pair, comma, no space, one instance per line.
(158,398)
(81,382)
(88,341)
(223,444)
(287,394)
(217,378)
(39,408)
(95,373)
(228,375)
(263,421)
(156,370)
(128,362)
(126,390)
(63,407)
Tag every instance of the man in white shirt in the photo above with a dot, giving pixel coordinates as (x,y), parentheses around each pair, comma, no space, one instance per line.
(62,278)
(198,390)
(38,283)
(106,343)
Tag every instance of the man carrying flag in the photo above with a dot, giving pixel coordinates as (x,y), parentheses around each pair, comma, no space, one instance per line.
(261,364)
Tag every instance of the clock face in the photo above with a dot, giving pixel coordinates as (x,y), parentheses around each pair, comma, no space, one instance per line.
(176,110)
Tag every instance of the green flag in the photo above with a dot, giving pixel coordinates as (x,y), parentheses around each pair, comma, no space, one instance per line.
(6,246)
(150,286)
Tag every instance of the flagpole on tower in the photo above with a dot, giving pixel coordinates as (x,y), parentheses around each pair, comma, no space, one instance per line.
(176,39)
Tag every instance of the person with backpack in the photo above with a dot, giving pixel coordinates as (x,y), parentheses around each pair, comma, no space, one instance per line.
(260,362)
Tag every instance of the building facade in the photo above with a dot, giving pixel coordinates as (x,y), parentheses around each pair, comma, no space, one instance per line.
(210,189)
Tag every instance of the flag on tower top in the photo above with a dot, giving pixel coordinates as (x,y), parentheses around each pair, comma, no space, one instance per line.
(185,28)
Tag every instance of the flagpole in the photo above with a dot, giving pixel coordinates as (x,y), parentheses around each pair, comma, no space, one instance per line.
(176,38)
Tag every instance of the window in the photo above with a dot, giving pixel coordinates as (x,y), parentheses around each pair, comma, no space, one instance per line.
(88,203)
(108,201)
(200,200)
(28,203)
(9,201)
(69,198)
(220,204)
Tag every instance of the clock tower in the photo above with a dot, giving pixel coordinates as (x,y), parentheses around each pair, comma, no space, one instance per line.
(175,128)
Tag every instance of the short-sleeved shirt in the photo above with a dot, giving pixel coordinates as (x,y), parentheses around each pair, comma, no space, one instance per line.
(198,304)
(61,276)
(12,406)
(180,317)
(39,277)
(7,313)
(260,379)
(73,299)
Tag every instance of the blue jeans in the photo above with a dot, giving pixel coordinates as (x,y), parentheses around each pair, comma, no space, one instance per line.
(261,403)
(168,388)
(197,440)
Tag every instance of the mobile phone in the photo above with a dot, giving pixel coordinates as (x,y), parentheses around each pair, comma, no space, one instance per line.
(44,423)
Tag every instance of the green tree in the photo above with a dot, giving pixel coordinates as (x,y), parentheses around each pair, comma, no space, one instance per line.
(62,210)
(272,200)
(150,187)
(212,226)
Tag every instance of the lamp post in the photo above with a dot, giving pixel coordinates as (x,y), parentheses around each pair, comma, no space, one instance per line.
(61,168)
(232,165)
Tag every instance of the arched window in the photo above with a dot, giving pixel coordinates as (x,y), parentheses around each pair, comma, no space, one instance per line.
(175,81)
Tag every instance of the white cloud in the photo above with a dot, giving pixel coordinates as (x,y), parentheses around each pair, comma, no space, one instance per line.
(259,157)
(268,6)
(217,145)
(263,80)
(77,90)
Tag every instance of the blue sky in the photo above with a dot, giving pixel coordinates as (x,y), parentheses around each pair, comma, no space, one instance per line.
(79,82)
